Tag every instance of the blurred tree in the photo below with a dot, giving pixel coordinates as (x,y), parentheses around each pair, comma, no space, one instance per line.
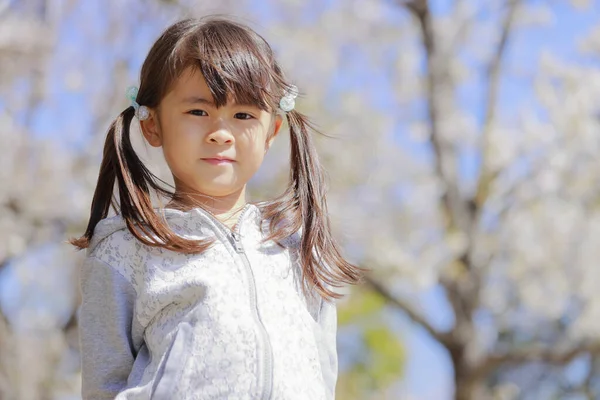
(513,241)
(30,200)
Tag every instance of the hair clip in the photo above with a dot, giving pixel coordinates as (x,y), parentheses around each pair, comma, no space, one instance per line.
(141,112)
(288,102)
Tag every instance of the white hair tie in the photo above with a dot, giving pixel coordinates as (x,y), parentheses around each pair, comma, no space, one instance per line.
(288,101)
(141,112)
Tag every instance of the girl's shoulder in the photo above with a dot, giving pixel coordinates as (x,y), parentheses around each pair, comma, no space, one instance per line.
(112,239)
(112,229)
(116,246)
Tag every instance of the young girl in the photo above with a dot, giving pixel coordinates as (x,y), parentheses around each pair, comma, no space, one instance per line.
(210,297)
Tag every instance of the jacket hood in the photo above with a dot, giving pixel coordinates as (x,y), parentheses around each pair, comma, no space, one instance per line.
(110,225)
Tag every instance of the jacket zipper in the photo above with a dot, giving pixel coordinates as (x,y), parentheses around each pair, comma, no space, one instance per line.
(268,368)
(235,239)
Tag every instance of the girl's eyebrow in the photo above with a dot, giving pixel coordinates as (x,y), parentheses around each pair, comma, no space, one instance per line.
(245,104)
(198,100)
(202,100)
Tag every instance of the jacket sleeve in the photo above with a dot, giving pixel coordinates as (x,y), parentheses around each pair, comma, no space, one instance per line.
(329,359)
(105,326)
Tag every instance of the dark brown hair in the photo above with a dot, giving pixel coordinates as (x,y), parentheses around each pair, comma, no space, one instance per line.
(237,64)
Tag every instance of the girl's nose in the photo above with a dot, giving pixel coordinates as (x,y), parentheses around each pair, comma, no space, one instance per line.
(220,135)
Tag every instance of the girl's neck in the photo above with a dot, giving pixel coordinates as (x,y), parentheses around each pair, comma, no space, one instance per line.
(226,209)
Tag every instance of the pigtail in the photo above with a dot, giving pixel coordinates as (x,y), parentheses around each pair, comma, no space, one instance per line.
(303,207)
(121,164)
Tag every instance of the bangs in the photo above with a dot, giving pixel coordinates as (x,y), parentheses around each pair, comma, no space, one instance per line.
(237,64)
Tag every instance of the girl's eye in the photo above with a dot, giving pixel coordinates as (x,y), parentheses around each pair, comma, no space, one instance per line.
(199,113)
(242,115)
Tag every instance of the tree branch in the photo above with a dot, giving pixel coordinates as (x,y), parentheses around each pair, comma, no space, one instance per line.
(493,78)
(444,338)
(549,355)
(454,208)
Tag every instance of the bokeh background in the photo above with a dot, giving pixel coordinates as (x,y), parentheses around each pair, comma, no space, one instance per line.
(464,171)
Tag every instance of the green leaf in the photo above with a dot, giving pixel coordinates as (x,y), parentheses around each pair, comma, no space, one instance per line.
(387,355)
(362,304)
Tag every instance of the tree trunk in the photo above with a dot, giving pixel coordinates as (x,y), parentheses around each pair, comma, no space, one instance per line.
(468,386)
(468,383)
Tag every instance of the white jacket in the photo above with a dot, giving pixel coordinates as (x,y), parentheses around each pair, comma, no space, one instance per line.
(231,323)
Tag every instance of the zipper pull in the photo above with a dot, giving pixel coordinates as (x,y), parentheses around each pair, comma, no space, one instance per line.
(237,242)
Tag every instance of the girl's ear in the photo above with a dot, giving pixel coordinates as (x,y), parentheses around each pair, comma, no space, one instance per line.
(276,127)
(151,129)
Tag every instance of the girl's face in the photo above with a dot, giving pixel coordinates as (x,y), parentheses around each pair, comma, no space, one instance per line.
(210,150)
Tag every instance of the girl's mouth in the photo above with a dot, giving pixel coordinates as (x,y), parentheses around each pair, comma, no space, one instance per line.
(218,161)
